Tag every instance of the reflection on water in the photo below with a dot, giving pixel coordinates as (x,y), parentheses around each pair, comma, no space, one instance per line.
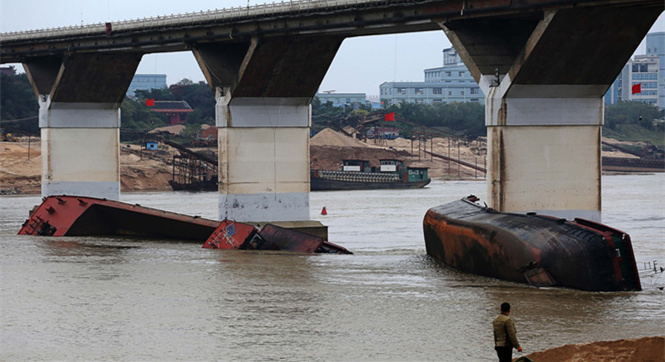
(130,299)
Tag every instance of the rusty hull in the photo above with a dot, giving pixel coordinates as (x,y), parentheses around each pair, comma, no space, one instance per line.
(230,235)
(83,216)
(236,235)
(88,216)
(530,248)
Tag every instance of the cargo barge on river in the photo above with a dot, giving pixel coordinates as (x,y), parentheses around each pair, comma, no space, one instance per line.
(359,175)
(530,248)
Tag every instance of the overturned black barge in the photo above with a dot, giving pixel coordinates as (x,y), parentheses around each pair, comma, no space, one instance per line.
(529,248)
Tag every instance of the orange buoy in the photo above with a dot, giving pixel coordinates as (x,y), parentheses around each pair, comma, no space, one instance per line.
(324,212)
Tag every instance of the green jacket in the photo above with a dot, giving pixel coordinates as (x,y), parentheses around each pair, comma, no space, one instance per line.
(505,334)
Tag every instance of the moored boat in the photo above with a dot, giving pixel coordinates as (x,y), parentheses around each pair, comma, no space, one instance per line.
(530,248)
(359,175)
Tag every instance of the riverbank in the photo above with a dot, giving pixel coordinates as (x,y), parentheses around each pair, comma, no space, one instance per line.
(21,162)
(21,168)
(647,349)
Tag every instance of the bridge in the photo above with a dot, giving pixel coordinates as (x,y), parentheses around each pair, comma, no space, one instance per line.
(543,64)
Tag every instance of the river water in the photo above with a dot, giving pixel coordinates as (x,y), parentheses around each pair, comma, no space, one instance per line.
(81,298)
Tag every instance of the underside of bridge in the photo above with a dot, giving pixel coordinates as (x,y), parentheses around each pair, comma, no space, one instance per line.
(545,74)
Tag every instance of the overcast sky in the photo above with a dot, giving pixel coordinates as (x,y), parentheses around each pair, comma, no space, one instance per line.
(361,64)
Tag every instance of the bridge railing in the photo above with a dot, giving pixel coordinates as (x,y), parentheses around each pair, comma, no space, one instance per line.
(223,15)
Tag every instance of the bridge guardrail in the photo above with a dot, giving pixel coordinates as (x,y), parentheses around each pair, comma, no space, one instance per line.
(185,19)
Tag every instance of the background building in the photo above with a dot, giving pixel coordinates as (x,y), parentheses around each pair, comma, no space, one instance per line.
(656,47)
(146,82)
(647,70)
(176,111)
(451,83)
(343,99)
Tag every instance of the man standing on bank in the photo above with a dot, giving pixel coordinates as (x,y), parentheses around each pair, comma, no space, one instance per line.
(505,336)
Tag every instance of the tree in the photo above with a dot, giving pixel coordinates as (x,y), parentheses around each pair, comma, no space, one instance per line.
(325,114)
(18,106)
(158,94)
(137,118)
(631,112)
(190,133)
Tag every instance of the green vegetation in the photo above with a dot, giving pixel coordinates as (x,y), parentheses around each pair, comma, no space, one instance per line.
(635,121)
(19,109)
(462,119)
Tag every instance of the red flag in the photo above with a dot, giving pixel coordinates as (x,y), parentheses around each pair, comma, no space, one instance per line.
(637,88)
(390,116)
(150,102)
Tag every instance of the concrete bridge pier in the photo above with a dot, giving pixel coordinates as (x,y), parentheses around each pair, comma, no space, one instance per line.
(79,116)
(545,74)
(263,89)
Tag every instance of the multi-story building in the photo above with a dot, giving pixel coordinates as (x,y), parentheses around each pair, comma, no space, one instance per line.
(343,99)
(646,72)
(656,46)
(146,82)
(451,83)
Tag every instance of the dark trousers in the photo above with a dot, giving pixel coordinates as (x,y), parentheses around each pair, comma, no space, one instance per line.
(505,353)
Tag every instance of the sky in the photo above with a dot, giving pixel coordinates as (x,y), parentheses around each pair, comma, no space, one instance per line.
(360,66)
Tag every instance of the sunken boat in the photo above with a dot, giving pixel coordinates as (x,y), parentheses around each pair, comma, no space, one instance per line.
(529,248)
(359,175)
(67,215)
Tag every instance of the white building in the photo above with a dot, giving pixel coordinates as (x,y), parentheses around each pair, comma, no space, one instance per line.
(647,70)
(343,99)
(451,83)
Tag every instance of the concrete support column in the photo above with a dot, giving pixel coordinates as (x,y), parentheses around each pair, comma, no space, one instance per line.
(80,148)
(544,155)
(264,159)
(263,89)
(79,116)
(545,74)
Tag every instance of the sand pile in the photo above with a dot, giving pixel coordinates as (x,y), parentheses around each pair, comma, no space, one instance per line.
(145,170)
(170,129)
(18,174)
(329,137)
(648,349)
(14,158)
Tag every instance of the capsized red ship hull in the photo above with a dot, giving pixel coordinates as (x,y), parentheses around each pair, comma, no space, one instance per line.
(529,248)
(88,216)
(232,235)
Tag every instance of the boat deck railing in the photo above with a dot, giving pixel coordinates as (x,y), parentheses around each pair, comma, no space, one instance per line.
(358,176)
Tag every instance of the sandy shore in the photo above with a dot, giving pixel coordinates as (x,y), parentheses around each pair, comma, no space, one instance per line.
(647,349)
